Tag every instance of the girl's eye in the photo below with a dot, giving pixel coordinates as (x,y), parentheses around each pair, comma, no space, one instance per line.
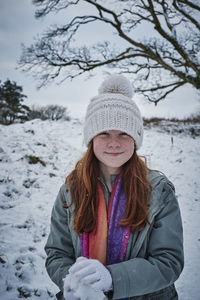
(123,134)
(103,134)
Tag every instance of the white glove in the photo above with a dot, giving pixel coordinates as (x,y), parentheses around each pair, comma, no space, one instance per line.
(70,296)
(67,292)
(92,272)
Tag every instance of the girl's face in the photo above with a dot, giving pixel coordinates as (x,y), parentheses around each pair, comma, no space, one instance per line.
(113,148)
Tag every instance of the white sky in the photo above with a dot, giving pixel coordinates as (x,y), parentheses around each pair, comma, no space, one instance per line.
(18,25)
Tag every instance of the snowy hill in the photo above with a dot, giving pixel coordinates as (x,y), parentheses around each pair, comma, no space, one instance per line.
(35,158)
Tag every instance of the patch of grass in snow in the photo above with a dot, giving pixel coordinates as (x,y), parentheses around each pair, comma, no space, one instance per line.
(2,260)
(52,175)
(28,183)
(24,292)
(34,160)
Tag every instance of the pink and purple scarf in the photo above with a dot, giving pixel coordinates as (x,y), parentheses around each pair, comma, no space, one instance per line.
(109,242)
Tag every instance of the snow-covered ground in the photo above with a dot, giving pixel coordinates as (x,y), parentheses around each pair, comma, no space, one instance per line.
(34,160)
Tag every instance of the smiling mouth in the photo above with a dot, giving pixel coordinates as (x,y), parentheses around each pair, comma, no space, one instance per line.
(114,153)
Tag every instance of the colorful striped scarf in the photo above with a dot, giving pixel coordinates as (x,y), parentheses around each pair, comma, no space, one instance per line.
(109,242)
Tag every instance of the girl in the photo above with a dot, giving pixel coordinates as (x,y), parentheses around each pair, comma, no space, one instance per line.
(116,224)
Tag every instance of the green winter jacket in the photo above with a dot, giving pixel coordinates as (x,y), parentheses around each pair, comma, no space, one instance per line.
(154,257)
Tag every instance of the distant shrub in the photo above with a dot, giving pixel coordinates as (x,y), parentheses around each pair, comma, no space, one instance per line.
(153,120)
(194,119)
(49,112)
(34,113)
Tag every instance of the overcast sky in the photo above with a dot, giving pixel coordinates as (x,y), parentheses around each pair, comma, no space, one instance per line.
(18,25)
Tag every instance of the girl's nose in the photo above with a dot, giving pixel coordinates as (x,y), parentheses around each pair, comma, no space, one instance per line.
(114,143)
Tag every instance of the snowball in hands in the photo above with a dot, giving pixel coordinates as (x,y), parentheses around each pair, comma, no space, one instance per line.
(76,290)
(67,290)
(69,295)
(93,273)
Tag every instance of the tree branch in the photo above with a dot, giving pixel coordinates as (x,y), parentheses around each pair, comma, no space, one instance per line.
(169,38)
(191,4)
(164,94)
(158,63)
(187,15)
(53,5)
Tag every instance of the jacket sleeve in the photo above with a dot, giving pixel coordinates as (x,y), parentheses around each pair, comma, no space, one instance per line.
(59,248)
(164,260)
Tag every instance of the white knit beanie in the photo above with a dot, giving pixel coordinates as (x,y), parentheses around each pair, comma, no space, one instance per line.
(114,109)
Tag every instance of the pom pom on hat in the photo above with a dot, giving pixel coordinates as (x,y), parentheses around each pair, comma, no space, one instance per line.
(116,84)
(113,109)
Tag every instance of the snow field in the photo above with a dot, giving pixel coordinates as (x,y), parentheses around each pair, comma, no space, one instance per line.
(35,158)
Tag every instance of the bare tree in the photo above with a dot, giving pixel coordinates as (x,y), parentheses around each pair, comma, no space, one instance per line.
(158,43)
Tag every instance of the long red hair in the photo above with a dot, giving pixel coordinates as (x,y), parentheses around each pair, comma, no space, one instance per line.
(82,183)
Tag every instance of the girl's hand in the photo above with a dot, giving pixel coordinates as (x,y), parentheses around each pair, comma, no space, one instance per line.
(67,292)
(92,272)
(69,295)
